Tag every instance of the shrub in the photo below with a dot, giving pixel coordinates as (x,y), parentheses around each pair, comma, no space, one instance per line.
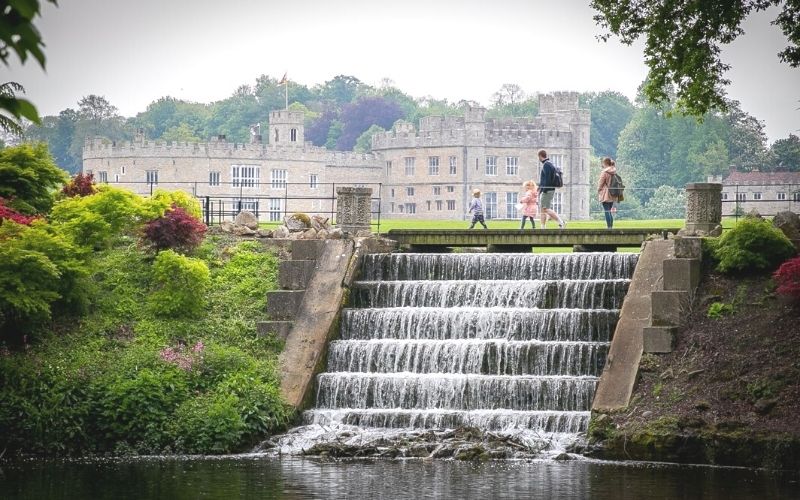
(161,201)
(209,423)
(752,245)
(29,175)
(181,284)
(719,309)
(788,278)
(95,220)
(176,230)
(8,213)
(80,185)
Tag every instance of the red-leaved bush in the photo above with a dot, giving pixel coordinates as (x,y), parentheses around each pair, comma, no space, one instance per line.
(176,230)
(11,214)
(788,278)
(80,185)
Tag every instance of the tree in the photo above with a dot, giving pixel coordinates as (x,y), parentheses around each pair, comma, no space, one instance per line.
(342,89)
(18,34)
(29,177)
(611,112)
(96,117)
(683,39)
(168,112)
(58,132)
(509,93)
(787,153)
(318,130)
(364,142)
(666,203)
(357,117)
(180,133)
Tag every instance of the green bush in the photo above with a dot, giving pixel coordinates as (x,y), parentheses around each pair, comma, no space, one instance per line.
(94,221)
(209,423)
(752,245)
(180,285)
(161,200)
(719,309)
(29,177)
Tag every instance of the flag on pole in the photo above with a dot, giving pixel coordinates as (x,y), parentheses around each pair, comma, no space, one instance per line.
(285,84)
(283,80)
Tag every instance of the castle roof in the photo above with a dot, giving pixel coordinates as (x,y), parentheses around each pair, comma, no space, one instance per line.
(762,178)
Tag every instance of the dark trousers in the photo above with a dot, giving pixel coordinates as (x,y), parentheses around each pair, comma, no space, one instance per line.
(478,218)
(607,212)
(533,224)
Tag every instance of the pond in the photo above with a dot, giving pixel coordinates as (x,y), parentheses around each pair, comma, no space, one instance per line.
(260,476)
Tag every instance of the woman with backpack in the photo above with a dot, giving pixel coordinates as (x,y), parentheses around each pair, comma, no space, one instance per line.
(607,188)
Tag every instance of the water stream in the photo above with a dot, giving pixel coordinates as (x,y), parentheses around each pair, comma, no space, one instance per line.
(505,343)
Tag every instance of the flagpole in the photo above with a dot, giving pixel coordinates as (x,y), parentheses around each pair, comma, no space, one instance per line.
(286,92)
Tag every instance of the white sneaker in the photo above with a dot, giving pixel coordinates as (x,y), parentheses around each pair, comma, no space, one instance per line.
(562,224)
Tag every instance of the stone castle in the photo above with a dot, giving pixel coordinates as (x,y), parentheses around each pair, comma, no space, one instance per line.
(427,173)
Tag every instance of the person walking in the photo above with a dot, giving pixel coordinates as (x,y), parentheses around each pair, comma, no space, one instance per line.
(476,208)
(604,195)
(547,189)
(529,202)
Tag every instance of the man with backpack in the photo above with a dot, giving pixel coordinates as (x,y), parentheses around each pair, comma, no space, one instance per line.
(550,179)
(609,189)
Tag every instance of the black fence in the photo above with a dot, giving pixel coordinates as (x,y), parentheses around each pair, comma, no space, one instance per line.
(767,199)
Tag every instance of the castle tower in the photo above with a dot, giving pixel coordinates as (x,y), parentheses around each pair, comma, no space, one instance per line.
(286,128)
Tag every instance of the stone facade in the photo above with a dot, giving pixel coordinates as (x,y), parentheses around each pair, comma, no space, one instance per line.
(425,173)
(766,192)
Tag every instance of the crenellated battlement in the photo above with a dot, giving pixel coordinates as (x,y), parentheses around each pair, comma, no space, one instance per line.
(558,101)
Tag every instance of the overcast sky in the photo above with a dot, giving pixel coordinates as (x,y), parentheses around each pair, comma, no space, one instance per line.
(133,52)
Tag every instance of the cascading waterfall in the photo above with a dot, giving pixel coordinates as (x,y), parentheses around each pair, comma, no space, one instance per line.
(502,342)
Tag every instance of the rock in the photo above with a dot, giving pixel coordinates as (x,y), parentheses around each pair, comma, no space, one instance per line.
(335,234)
(264,233)
(309,234)
(563,457)
(226,226)
(476,452)
(281,232)
(754,214)
(789,223)
(764,406)
(243,231)
(297,222)
(319,222)
(322,234)
(647,414)
(602,419)
(364,233)
(246,218)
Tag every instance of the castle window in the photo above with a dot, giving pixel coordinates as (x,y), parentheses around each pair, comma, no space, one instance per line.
(451,189)
(391,207)
(275,209)
(796,196)
(491,166)
(433,165)
(558,202)
(122,170)
(439,205)
(245,175)
(116,177)
(741,196)
(277,178)
(276,135)
(409,165)
(391,193)
(512,165)
(293,135)
(429,205)
(724,195)
(151,176)
(312,181)
(453,165)
(437,190)
(491,205)
(757,195)
(213,178)
(402,208)
(511,205)
(781,196)
(388,168)
(248,204)
(451,204)
(411,208)
(102,177)
(558,160)
(410,191)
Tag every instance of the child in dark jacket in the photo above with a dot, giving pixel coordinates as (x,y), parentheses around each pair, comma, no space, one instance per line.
(476,208)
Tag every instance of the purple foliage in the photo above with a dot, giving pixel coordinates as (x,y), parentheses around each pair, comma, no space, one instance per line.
(357,117)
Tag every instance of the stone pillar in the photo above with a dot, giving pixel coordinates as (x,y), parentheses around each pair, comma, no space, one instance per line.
(703,208)
(353,209)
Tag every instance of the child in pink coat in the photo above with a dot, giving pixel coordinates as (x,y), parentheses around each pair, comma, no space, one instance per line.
(529,202)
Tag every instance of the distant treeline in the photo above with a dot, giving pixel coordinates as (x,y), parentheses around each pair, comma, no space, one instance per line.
(656,146)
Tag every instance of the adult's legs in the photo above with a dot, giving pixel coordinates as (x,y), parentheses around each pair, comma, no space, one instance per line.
(607,212)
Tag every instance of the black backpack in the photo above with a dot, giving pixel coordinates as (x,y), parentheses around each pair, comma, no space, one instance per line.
(558,176)
(615,186)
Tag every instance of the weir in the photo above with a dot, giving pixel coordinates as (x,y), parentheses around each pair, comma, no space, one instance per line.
(502,342)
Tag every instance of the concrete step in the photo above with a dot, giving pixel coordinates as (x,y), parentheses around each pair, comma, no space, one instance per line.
(295,274)
(307,249)
(284,304)
(669,307)
(659,339)
(280,329)
(681,274)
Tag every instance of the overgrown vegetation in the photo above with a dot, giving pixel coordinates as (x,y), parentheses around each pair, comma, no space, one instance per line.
(752,245)
(788,279)
(106,348)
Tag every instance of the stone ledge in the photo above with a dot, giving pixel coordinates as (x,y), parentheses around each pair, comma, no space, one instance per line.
(681,274)
(284,304)
(688,247)
(307,249)
(658,339)
(669,307)
(295,274)
(280,329)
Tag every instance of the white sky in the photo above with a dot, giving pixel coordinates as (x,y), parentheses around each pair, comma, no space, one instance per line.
(133,52)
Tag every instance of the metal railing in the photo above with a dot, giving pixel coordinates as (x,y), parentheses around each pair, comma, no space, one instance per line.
(767,199)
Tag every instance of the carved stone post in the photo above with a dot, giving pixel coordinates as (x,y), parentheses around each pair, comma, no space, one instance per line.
(353,209)
(703,208)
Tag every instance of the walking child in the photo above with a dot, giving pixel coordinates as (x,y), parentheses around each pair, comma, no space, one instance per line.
(529,203)
(476,208)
